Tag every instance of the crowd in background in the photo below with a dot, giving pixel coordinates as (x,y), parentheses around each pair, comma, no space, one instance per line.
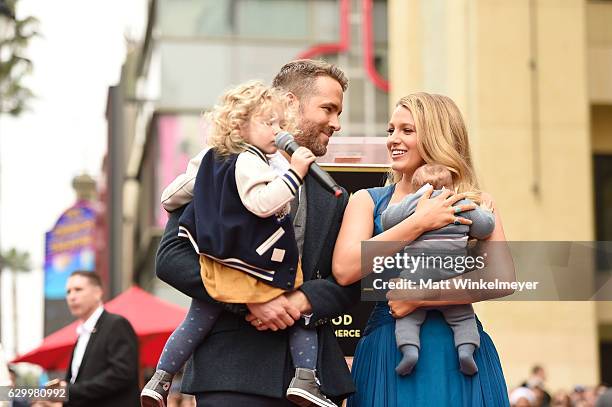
(533,393)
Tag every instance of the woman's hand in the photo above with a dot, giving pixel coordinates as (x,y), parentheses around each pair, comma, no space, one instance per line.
(487,204)
(434,213)
(399,309)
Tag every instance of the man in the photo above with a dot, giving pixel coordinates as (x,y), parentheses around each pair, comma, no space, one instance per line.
(103,368)
(245,361)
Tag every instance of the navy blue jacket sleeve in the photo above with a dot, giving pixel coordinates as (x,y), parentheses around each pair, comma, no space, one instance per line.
(328,299)
(177,264)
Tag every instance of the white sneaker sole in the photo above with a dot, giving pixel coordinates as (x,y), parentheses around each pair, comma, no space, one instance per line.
(305,396)
(153,399)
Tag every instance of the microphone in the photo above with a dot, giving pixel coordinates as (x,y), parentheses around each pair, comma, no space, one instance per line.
(285,141)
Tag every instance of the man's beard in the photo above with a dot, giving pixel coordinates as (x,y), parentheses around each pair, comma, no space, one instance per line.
(308,137)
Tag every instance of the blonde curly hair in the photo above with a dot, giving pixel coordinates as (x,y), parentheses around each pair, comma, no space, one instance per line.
(237,106)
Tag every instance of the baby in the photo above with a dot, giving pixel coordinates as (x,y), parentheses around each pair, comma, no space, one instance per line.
(461,318)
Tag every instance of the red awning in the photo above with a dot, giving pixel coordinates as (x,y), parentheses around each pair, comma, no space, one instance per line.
(153,320)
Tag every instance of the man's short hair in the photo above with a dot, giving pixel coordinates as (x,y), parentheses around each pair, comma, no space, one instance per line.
(93,277)
(298,76)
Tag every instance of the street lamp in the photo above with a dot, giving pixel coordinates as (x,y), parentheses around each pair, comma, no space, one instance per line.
(7,21)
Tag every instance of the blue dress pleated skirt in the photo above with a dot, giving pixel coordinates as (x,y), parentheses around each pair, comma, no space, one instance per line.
(436,379)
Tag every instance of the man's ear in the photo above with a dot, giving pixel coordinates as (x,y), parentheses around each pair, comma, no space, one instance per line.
(293,100)
(99,293)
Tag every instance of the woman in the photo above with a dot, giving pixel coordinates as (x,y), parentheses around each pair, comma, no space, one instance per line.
(424,128)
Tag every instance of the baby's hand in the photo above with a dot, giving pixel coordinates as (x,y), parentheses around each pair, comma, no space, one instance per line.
(301,160)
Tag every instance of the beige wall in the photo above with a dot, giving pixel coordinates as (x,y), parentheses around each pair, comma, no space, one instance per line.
(599,39)
(529,129)
(559,335)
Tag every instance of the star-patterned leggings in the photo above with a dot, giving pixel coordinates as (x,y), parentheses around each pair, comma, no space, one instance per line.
(188,336)
(199,321)
(303,346)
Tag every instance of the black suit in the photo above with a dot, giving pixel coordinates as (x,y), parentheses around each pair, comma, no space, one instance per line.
(235,357)
(108,375)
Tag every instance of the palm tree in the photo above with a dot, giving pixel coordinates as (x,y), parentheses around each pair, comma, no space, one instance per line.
(15,35)
(17,262)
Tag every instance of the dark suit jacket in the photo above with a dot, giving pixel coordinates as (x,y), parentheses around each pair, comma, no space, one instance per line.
(108,375)
(237,357)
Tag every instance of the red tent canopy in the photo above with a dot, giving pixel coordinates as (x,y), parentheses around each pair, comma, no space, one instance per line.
(153,320)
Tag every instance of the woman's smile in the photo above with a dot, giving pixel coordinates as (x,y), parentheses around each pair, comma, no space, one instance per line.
(398,153)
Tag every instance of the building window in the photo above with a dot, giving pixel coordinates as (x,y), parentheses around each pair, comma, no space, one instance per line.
(310,21)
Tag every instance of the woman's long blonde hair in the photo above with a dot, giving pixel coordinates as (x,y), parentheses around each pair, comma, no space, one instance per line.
(236,107)
(442,139)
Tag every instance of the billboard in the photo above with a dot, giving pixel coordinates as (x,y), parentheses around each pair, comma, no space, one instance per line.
(69,246)
(180,138)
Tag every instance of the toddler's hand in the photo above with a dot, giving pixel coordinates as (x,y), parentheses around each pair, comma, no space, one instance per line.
(301,160)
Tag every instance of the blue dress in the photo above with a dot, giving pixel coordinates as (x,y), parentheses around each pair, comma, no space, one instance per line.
(436,379)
